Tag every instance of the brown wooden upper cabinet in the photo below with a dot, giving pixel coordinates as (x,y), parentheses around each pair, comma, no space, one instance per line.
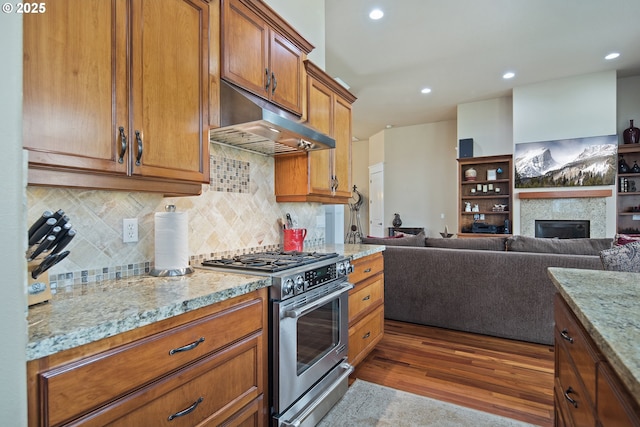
(323,175)
(262,53)
(116,95)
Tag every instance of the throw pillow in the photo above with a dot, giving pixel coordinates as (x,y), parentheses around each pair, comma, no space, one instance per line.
(622,258)
(623,239)
(558,246)
(404,240)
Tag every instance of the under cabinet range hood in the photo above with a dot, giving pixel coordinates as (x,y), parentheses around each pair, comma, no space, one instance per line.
(254,124)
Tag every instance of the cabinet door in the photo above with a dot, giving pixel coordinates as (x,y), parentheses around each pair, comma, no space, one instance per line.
(286,73)
(245,48)
(342,152)
(320,117)
(75,94)
(170,90)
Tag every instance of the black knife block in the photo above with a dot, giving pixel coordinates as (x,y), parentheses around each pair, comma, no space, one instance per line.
(38,290)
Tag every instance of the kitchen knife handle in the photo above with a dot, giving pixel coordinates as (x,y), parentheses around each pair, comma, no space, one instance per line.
(39,222)
(63,241)
(42,231)
(123,144)
(42,247)
(139,141)
(48,262)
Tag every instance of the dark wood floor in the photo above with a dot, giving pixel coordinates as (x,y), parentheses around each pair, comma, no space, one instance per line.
(504,377)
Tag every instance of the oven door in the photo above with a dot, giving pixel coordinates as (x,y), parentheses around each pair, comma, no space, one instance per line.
(311,333)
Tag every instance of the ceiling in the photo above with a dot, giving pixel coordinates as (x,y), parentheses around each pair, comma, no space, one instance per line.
(461,48)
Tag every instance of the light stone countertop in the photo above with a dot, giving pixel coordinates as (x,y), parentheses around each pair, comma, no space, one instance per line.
(81,314)
(607,303)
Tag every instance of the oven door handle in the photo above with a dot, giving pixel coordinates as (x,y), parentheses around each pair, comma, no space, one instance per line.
(317,303)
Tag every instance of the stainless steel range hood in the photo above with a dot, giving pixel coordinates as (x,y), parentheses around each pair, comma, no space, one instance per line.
(251,123)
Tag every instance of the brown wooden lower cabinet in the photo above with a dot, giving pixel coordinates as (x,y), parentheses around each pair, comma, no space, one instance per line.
(206,367)
(366,306)
(587,391)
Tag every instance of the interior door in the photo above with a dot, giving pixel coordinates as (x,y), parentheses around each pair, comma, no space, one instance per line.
(376,200)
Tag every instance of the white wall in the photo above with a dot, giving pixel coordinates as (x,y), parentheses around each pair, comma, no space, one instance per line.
(420,175)
(360,178)
(580,106)
(13,300)
(307,17)
(628,102)
(490,124)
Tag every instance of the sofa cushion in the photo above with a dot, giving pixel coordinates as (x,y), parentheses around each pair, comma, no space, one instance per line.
(476,243)
(404,240)
(622,258)
(558,246)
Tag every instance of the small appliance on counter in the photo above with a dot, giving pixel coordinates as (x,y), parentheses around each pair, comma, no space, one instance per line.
(171,243)
(47,237)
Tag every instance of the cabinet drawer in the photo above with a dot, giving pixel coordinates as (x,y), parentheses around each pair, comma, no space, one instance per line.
(363,268)
(208,391)
(365,296)
(570,393)
(365,334)
(76,388)
(615,405)
(570,334)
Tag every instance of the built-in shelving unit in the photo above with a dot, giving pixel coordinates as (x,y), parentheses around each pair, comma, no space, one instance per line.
(628,204)
(489,196)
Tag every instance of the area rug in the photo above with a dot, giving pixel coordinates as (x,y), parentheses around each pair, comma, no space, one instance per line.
(368,404)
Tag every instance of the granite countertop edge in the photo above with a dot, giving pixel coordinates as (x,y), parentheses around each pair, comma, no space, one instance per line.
(82,314)
(585,289)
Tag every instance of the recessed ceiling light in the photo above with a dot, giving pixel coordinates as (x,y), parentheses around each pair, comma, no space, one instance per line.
(508,75)
(376,14)
(388,126)
(426,90)
(612,55)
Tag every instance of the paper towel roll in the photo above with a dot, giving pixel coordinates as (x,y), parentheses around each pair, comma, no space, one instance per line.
(172,240)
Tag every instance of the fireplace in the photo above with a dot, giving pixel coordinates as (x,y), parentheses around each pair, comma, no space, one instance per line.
(562,229)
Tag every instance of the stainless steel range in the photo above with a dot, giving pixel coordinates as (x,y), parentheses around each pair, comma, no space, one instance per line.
(308,330)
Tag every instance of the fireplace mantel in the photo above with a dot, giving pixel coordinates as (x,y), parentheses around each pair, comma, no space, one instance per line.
(565,194)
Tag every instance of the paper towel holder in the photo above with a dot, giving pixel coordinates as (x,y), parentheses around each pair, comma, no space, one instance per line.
(174,271)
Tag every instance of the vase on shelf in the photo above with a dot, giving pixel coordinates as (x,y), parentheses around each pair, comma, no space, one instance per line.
(470,174)
(397,222)
(623,167)
(631,135)
(636,167)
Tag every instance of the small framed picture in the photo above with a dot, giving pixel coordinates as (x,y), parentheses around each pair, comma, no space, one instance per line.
(491,174)
(490,187)
(479,187)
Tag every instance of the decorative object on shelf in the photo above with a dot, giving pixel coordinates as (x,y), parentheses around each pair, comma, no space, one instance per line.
(475,208)
(631,135)
(354,234)
(499,170)
(446,233)
(499,208)
(623,167)
(636,167)
(491,174)
(470,174)
(397,222)
(467,206)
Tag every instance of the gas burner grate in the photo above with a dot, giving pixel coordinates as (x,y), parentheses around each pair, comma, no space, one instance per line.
(271,261)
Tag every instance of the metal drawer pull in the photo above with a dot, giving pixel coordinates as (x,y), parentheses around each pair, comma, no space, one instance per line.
(268,83)
(186,347)
(368,297)
(566,336)
(189,410)
(123,144)
(368,270)
(572,401)
(275,83)
(367,335)
(139,141)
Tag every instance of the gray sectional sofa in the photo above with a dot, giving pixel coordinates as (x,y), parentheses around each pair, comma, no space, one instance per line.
(495,286)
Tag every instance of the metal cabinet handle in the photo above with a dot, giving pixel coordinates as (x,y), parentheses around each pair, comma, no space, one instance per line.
(367,335)
(139,141)
(186,347)
(266,72)
(275,84)
(368,297)
(189,410)
(565,334)
(368,270)
(572,401)
(123,144)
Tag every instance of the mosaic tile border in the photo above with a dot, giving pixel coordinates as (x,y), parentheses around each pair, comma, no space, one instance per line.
(85,277)
(229,175)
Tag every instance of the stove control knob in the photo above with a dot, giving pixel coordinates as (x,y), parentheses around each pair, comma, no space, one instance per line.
(299,283)
(344,268)
(287,288)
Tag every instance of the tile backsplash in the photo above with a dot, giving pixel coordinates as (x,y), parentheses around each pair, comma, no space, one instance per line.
(235,213)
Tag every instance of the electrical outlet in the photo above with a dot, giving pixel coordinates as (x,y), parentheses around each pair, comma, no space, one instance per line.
(129,230)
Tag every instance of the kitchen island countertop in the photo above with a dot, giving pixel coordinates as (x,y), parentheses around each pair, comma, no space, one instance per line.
(607,303)
(82,314)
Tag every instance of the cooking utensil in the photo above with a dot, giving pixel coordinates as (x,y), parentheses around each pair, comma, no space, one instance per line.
(49,261)
(42,231)
(289,221)
(43,246)
(39,223)
(63,241)
(281,224)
